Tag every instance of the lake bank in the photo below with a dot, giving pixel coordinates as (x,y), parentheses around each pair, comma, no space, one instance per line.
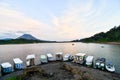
(113,43)
(62,71)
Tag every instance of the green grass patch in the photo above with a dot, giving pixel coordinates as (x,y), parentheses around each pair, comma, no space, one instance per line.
(12,78)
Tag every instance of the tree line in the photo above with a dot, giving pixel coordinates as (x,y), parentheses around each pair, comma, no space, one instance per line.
(113,35)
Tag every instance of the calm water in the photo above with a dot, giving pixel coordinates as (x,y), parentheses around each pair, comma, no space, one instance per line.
(110,52)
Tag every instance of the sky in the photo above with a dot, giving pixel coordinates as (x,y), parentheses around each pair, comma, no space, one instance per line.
(59,20)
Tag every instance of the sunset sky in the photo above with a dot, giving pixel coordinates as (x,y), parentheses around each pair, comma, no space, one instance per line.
(57,19)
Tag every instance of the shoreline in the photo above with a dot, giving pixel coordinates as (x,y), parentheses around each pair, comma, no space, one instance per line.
(111,43)
(35,43)
(55,71)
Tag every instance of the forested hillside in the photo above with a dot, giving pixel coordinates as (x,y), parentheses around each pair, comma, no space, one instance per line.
(113,35)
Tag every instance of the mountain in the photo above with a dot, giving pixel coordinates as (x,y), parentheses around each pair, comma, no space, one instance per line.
(113,35)
(27,37)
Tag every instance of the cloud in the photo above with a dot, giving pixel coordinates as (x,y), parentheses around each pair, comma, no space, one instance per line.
(8,34)
(22,32)
(78,20)
(71,24)
(17,23)
(75,22)
(3,4)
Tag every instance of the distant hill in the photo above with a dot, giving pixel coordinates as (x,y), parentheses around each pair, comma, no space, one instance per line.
(27,37)
(113,35)
(6,39)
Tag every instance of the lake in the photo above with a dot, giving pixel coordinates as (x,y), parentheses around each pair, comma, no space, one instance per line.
(110,52)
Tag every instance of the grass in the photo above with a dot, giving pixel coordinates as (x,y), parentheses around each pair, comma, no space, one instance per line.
(12,78)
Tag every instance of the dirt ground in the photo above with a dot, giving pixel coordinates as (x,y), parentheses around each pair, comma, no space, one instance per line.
(64,71)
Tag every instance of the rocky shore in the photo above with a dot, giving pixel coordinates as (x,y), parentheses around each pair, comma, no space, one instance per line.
(61,71)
